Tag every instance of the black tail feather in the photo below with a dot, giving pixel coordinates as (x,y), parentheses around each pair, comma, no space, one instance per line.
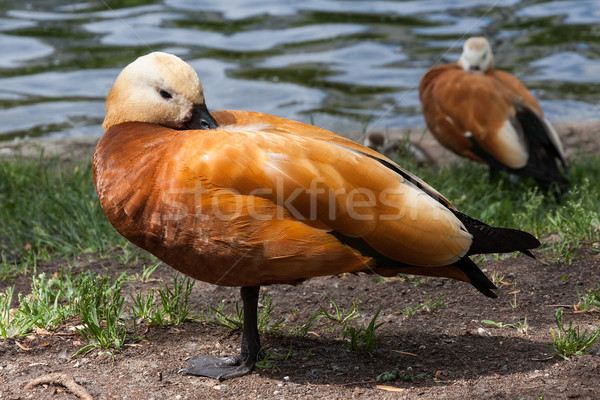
(527,253)
(476,276)
(488,239)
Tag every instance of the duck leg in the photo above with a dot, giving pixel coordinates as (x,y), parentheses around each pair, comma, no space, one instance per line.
(234,366)
(494,175)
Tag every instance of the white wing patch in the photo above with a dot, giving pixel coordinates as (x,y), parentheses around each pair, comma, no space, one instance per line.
(277,156)
(245,128)
(554,138)
(450,120)
(512,151)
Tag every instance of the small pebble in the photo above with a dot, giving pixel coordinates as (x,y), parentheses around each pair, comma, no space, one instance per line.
(483,332)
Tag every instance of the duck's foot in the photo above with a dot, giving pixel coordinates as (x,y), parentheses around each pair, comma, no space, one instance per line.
(220,368)
(232,367)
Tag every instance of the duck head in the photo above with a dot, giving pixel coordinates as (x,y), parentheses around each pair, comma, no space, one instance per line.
(477,56)
(158,88)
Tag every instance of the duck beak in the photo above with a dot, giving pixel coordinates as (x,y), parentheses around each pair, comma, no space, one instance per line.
(201,119)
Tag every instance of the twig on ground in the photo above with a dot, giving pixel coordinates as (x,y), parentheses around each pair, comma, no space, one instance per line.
(62,379)
(359,383)
(23,347)
(405,353)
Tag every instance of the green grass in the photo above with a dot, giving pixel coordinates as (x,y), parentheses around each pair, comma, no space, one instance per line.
(408,311)
(10,267)
(338,316)
(173,307)
(569,341)
(428,305)
(589,302)
(5,313)
(95,305)
(334,319)
(337,320)
(269,359)
(234,319)
(102,316)
(363,338)
(60,297)
(518,324)
(50,208)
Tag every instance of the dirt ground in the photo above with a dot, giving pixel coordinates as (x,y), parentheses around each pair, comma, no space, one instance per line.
(447,353)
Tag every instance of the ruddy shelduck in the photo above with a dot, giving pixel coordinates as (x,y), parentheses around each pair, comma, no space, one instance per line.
(489,116)
(241,198)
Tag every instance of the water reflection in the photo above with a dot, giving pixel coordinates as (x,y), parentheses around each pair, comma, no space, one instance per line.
(567,67)
(240,9)
(62,84)
(570,110)
(145,30)
(243,9)
(17,50)
(71,12)
(359,64)
(454,26)
(12,24)
(577,12)
(43,118)
(344,65)
(223,92)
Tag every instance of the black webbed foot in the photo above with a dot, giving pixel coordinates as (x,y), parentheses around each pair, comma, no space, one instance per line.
(235,366)
(220,368)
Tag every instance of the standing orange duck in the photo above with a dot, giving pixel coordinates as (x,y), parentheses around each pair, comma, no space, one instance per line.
(489,116)
(239,198)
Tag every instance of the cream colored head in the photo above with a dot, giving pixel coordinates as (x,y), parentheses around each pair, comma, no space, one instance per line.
(477,55)
(157,88)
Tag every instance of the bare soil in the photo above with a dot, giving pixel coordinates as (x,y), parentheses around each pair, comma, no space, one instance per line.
(444,353)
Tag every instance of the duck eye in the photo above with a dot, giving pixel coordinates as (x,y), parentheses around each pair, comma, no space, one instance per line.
(164,94)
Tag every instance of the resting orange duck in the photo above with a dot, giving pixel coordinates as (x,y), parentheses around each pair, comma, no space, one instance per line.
(239,198)
(489,116)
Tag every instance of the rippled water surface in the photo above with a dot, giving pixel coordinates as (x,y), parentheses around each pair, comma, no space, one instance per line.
(348,66)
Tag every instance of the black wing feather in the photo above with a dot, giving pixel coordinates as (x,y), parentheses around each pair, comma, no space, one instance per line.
(543,162)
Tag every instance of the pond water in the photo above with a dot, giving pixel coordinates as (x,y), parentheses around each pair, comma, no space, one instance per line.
(348,66)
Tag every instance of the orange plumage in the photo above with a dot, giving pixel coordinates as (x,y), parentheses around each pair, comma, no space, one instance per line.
(196,190)
(489,116)
(256,199)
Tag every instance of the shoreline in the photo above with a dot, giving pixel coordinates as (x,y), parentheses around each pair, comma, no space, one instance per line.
(578,137)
